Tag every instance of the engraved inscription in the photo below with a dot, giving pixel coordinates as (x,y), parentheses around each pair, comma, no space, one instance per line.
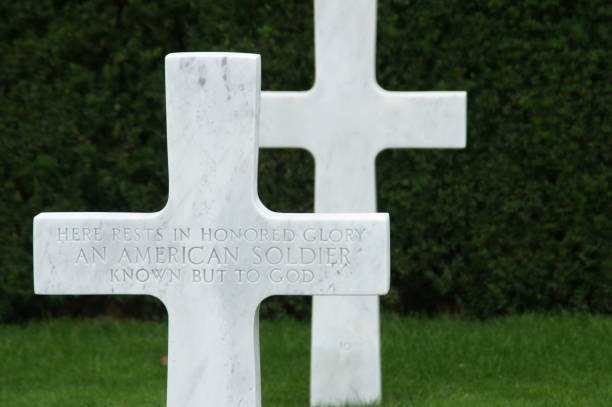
(144,275)
(79,234)
(213,255)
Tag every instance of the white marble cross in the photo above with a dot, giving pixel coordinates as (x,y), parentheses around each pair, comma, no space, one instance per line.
(345,120)
(214,252)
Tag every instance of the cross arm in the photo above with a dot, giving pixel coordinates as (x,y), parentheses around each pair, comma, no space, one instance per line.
(299,254)
(420,119)
(382,119)
(287,120)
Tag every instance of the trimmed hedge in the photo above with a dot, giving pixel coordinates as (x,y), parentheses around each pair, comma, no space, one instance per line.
(520,220)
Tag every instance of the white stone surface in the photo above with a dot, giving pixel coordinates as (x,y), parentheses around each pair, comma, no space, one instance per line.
(214,252)
(345,120)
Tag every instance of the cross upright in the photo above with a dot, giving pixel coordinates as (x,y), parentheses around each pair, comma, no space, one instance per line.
(345,120)
(214,252)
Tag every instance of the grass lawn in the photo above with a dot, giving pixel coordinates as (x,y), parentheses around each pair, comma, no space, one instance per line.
(530,360)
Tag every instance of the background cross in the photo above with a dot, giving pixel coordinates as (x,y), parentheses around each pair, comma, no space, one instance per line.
(345,120)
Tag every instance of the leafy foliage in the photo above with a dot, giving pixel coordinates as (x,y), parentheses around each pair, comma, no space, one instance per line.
(520,220)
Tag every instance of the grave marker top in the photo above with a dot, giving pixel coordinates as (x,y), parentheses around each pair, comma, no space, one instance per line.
(214,252)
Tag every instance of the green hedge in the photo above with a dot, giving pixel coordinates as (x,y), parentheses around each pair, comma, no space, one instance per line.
(520,220)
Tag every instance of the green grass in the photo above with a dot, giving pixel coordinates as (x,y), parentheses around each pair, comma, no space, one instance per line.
(529,360)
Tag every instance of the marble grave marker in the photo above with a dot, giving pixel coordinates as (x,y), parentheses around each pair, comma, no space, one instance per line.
(214,252)
(345,120)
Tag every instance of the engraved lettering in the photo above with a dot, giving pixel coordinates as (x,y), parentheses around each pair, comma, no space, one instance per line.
(274,255)
(101,255)
(344,255)
(200,275)
(234,234)
(308,235)
(331,255)
(206,234)
(182,233)
(179,255)
(308,276)
(256,252)
(96,254)
(190,255)
(125,255)
(129,273)
(275,276)
(142,257)
(360,234)
(79,234)
(248,234)
(160,254)
(81,257)
(213,254)
(221,235)
(143,275)
(158,273)
(292,276)
(251,275)
(335,235)
(228,253)
(305,252)
(62,232)
(278,263)
(137,234)
(208,275)
(114,275)
(303,255)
